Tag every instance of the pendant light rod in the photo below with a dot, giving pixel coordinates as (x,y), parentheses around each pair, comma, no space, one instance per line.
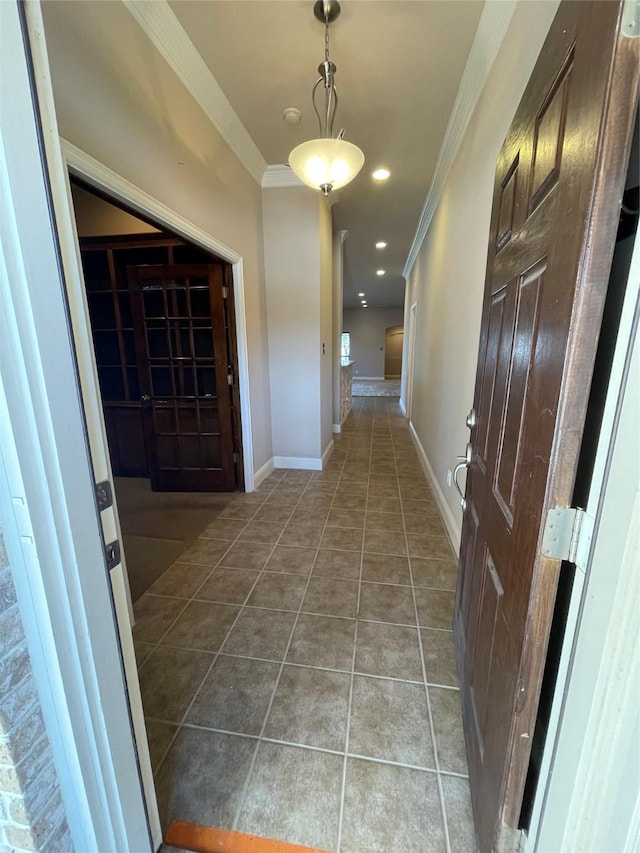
(326,163)
(326,11)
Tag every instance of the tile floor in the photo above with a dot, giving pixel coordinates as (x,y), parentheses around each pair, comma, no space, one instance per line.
(296,662)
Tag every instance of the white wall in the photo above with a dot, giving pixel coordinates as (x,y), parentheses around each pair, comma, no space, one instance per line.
(338,275)
(447,280)
(367,327)
(117,100)
(297,260)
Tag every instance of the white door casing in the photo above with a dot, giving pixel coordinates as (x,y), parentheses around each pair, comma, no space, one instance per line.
(62,158)
(48,485)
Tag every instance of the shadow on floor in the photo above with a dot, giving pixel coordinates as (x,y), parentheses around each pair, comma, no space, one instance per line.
(158,526)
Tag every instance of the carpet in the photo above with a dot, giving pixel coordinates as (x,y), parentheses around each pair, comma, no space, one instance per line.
(375,388)
(158,526)
(205,839)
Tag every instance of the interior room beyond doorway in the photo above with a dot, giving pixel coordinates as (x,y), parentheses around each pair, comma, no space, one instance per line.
(159,383)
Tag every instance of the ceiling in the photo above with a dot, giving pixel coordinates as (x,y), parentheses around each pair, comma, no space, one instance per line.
(399,65)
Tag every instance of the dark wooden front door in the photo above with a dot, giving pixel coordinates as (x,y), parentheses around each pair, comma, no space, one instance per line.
(183,363)
(559,182)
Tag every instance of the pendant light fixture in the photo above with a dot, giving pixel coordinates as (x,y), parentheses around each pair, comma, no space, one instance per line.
(326,163)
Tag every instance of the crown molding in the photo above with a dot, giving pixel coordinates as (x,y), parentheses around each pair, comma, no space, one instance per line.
(492,27)
(280,175)
(168,36)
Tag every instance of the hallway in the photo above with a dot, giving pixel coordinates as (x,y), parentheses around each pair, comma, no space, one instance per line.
(296,663)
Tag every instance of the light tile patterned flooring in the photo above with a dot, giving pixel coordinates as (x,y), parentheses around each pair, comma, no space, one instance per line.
(297,665)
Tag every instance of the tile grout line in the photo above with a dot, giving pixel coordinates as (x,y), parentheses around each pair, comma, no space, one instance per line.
(381,433)
(188,600)
(436,758)
(215,655)
(245,787)
(343,790)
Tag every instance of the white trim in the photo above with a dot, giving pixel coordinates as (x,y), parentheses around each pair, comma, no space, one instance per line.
(408,357)
(589,765)
(304,463)
(450,523)
(50,476)
(280,176)
(159,23)
(19,540)
(336,428)
(327,453)
(101,177)
(263,472)
(492,28)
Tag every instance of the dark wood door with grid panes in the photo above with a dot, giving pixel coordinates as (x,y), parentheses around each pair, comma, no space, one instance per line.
(559,182)
(183,364)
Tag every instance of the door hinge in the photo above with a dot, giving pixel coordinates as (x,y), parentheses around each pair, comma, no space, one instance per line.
(112,554)
(104,495)
(230,378)
(236,458)
(225,292)
(567,535)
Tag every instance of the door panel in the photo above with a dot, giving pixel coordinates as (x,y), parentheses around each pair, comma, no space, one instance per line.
(183,361)
(558,184)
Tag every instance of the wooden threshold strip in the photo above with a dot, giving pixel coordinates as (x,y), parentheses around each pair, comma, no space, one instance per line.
(206,839)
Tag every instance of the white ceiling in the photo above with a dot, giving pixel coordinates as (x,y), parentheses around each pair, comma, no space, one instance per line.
(399,67)
(399,64)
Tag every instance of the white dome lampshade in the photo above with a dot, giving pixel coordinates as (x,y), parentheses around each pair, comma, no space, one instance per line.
(326,164)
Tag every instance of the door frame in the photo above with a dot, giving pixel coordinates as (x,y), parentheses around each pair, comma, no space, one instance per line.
(86,674)
(106,181)
(594,269)
(593,725)
(388,329)
(54,535)
(408,363)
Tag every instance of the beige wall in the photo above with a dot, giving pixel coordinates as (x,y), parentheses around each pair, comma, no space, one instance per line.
(298,309)
(118,101)
(447,280)
(98,218)
(368,327)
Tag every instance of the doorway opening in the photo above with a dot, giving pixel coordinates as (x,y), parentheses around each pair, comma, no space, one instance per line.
(161,316)
(393,342)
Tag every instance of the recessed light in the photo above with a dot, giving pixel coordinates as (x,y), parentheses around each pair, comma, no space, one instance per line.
(363,301)
(381,245)
(380,272)
(361,294)
(380,174)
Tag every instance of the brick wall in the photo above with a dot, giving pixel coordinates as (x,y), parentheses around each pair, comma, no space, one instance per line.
(32,815)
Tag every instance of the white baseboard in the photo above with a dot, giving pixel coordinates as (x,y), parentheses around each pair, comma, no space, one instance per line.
(327,453)
(298,462)
(336,428)
(451,525)
(403,408)
(366,378)
(263,472)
